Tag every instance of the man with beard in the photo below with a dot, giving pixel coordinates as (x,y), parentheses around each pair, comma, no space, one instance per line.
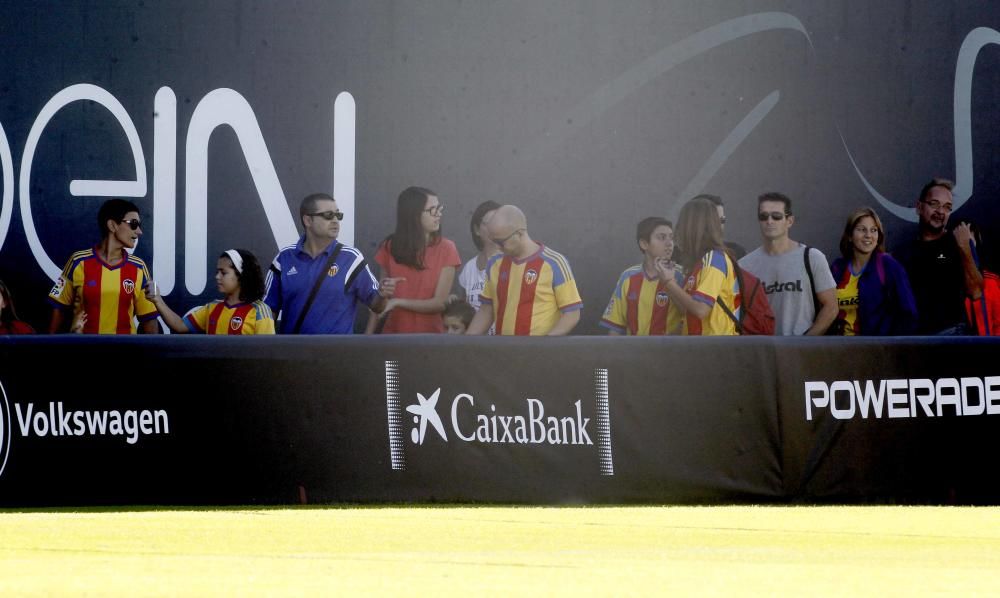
(940,264)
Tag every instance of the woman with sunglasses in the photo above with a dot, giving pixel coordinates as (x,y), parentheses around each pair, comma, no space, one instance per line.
(873,291)
(9,322)
(712,278)
(103,288)
(240,311)
(422,261)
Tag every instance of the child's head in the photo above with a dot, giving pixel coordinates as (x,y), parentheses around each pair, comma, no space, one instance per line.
(655,237)
(239,269)
(457,316)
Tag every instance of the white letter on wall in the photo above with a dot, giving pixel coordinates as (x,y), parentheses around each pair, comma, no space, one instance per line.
(136,188)
(7,207)
(344,117)
(165,189)
(226,107)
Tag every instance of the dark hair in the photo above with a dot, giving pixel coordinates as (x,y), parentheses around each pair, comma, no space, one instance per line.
(775,196)
(308,204)
(644,231)
(251,279)
(715,199)
(846,243)
(460,309)
(477,218)
(113,209)
(699,230)
(935,182)
(407,243)
(9,313)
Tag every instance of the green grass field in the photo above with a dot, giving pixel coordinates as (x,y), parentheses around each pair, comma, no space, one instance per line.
(496,551)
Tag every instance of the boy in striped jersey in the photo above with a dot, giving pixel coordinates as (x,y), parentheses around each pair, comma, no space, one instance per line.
(103,288)
(640,304)
(530,289)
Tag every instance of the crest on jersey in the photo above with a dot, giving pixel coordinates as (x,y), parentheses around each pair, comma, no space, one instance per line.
(129,285)
(661,298)
(236,323)
(332,271)
(530,277)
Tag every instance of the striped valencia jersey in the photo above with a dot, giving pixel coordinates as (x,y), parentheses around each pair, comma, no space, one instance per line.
(111,296)
(218,317)
(640,306)
(528,296)
(713,278)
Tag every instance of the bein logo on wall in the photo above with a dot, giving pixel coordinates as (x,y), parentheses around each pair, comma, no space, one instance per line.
(534,422)
(54,419)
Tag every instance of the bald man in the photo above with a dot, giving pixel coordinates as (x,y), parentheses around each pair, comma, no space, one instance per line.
(530,289)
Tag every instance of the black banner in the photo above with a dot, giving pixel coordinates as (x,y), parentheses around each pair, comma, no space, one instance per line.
(206,420)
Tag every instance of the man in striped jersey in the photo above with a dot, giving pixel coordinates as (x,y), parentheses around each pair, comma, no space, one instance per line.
(640,304)
(345,281)
(530,289)
(103,288)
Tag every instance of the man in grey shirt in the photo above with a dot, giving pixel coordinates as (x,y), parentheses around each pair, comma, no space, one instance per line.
(781,267)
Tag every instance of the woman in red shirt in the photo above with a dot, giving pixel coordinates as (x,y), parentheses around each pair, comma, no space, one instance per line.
(9,324)
(423,263)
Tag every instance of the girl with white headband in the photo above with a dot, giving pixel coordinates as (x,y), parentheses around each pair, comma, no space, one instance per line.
(240,311)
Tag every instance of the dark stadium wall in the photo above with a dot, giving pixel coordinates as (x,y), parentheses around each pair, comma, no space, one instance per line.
(588,115)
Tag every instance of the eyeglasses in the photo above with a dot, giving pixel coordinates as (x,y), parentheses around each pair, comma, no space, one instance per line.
(134,223)
(776,216)
(435,210)
(937,205)
(329,215)
(503,241)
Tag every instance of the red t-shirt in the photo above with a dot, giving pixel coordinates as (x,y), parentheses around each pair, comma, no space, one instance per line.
(419,284)
(16,327)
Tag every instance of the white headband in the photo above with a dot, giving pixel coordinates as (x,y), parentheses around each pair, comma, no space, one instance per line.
(236,258)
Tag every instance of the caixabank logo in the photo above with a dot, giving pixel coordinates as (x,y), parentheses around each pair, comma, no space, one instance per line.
(464,418)
(54,419)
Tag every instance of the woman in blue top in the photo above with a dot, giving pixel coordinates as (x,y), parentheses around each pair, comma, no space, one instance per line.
(873,292)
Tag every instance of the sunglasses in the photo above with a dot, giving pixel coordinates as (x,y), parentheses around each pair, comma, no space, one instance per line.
(134,223)
(503,241)
(776,216)
(329,215)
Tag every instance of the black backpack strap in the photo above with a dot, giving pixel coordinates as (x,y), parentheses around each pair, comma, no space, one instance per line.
(315,289)
(809,273)
(732,316)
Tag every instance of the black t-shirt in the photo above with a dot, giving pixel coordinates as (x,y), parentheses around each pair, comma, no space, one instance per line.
(938,281)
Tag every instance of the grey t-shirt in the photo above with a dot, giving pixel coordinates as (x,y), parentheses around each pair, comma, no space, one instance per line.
(787,285)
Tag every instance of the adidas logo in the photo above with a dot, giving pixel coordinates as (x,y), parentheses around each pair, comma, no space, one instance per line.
(292,271)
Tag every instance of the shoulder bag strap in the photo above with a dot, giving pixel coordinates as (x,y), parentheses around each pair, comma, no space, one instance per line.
(315,289)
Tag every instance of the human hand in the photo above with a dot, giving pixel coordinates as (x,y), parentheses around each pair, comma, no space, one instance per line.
(389,305)
(665,269)
(152,291)
(79,321)
(963,235)
(387,286)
